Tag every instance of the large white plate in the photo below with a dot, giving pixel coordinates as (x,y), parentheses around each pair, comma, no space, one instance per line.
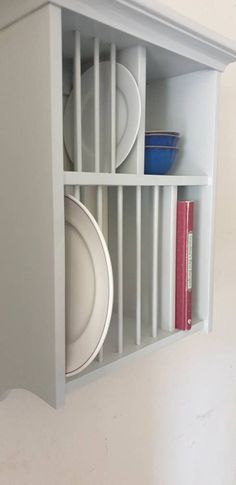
(89,287)
(128,112)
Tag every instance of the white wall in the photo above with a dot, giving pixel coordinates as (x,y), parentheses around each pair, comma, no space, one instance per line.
(170,418)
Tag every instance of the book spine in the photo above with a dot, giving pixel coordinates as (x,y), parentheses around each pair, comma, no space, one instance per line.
(184,240)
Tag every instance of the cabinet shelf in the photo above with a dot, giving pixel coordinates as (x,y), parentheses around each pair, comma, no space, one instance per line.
(106,179)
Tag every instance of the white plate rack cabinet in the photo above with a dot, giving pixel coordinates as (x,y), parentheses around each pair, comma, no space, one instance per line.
(44,49)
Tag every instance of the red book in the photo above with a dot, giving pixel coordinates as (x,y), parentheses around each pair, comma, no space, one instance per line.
(183,290)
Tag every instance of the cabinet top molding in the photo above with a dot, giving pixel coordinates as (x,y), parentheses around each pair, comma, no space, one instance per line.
(162,26)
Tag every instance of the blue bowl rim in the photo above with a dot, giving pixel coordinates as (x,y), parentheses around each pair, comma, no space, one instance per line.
(160,146)
(162,133)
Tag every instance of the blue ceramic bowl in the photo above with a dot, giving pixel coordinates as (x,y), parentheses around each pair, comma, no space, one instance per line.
(161,139)
(159,160)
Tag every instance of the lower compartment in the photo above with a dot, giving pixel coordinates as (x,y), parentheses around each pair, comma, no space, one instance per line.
(139,226)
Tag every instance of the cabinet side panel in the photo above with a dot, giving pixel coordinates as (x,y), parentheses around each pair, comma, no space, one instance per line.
(31,207)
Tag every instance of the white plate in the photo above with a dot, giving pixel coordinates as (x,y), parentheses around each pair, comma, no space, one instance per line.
(128,112)
(89,287)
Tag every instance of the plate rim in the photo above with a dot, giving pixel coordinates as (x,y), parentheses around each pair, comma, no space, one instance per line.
(110,287)
(131,77)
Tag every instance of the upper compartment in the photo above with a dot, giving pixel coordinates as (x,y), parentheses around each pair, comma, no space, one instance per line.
(174,70)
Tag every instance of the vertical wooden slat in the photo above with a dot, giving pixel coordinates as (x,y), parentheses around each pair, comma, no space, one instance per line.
(134,59)
(173,203)
(155,261)
(96,106)
(168,257)
(113,108)
(138,265)
(100,223)
(97,139)
(120,266)
(77,109)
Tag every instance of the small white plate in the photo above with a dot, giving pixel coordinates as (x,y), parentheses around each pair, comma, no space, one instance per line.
(89,287)
(128,113)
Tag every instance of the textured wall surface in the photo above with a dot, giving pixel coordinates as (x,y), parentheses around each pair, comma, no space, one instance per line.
(169,418)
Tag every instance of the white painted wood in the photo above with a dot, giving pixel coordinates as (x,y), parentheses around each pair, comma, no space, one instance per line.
(161,63)
(77,110)
(162,26)
(100,206)
(169,103)
(96,106)
(134,58)
(203,233)
(209,247)
(32,344)
(57,206)
(73,178)
(105,212)
(113,108)
(138,265)
(176,58)
(168,257)
(169,31)
(77,192)
(77,105)
(100,223)
(155,268)
(113,361)
(120,266)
